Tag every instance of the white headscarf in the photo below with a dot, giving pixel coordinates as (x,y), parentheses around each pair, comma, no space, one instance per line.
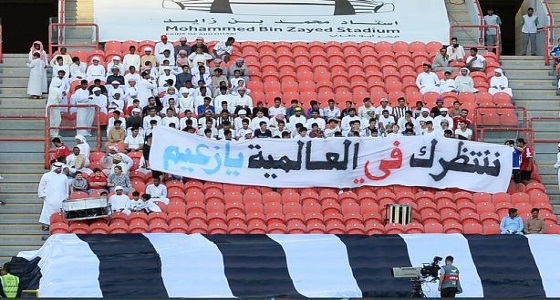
(466,69)
(500,71)
(56,165)
(81,138)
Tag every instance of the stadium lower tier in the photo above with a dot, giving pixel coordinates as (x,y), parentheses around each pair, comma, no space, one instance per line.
(215,208)
(276,265)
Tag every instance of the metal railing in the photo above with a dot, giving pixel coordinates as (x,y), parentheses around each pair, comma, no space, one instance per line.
(526,133)
(58,29)
(96,127)
(481,37)
(479,126)
(534,120)
(479,12)
(549,42)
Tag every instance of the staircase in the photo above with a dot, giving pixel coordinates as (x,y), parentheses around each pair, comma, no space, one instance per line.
(459,14)
(534,88)
(21,162)
(79,11)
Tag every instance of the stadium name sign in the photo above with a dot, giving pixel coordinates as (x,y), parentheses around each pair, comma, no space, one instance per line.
(427,160)
(283,20)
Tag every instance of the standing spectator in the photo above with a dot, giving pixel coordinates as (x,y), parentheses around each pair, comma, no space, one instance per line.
(534,224)
(455,52)
(61,149)
(10,285)
(475,61)
(557,165)
(53,189)
(491,35)
(223,50)
(529,30)
(512,223)
(35,83)
(37,47)
(526,166)
(516,154)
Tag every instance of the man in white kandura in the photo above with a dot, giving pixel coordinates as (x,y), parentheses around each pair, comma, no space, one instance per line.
(53,189)
(499,83)
(427,81)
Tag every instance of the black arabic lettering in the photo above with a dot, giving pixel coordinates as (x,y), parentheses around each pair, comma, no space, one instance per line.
(424,162)
(460,163)
(257,161)
(331,161)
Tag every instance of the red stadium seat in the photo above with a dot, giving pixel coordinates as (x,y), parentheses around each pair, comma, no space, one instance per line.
(452,228)
(472,228)
(118,227)
(433,228)
(414,228)
(61,227)
(394,228)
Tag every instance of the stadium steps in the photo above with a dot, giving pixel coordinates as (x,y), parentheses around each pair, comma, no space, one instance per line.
(21,163)
(459,14)
(79,11)
(534,88)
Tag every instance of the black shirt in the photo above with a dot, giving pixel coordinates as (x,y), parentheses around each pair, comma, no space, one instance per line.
(204,48)
(118,78)
(259,134)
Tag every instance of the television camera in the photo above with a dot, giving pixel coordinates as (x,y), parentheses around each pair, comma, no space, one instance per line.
(428,272)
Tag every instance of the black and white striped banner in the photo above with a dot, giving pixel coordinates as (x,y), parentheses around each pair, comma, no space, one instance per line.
(276,265)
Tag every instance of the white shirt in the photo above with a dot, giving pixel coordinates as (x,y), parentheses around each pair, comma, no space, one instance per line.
(386,121)
(194,122)
(160,46)
(345,122)
(165,121)
(65,68)
(478,62)
(366,112)
(95,72)
(467,133)
(220,98)
(293,120)
(159,191)
(491,20)
(78,71)
(110,68)
(427,79)
(241,133)
(243,101)
(256,120)
(530,24)
(331,113)
(221,48)
(196,58)
(148,118)
(119,202)
(379,110)
(100,101)
(320,121)
(131,60)
(111,123)
(274,111)
(134,142)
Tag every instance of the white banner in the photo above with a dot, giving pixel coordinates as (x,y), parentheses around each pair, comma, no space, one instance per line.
(430,161)
(279,20)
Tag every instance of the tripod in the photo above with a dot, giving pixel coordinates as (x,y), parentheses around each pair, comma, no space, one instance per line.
(416,291)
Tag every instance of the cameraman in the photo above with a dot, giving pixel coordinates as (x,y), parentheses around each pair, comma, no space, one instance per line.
(449,283)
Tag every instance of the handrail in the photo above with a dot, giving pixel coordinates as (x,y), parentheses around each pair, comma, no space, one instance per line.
(549,42)
(549,13)
(61,18)
(532,121)
(529,136)
(479,12)
(96,126)
(60,42)
(1,44)
(477,121)
(481,38)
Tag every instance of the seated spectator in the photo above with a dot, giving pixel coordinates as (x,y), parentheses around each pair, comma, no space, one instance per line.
(512,223)
(447,84)
(118,162)
(59,66)
(144,204)
(331,111)
(455,52)
(134,141)
(199,44)
(148,56)
(262,131)
(95,70)
(443,116)
(79,183)
(81,142)
(456,110)
(302,133)
(61,149)
(427,81)
(475,61)
(441,61)
(242,101)
(258,119)
(464,82)
(66,58)
(383,105)
(199,56)
(240,66)
(277,108)
(77,69)
(120,202)
(223,50)
(244,132)
(118,178)
(116,134)
(534,224)
(499,83)
(116,63)
(170,119)
(463,116)
(463,132)
(448,133)
(386,119)
(77,162)
(97,182)
(157,191)
(290,111)
(131,59)
(367,110)
(260,107)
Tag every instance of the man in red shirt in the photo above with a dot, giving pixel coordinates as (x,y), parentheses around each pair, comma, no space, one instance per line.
(97,182)
(461,117)
(526,166)
(61,149)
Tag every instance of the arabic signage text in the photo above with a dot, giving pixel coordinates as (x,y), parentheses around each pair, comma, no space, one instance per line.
(430,161)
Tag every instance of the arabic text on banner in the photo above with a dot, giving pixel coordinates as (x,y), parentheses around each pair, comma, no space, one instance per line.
(283,20)
(427,160)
